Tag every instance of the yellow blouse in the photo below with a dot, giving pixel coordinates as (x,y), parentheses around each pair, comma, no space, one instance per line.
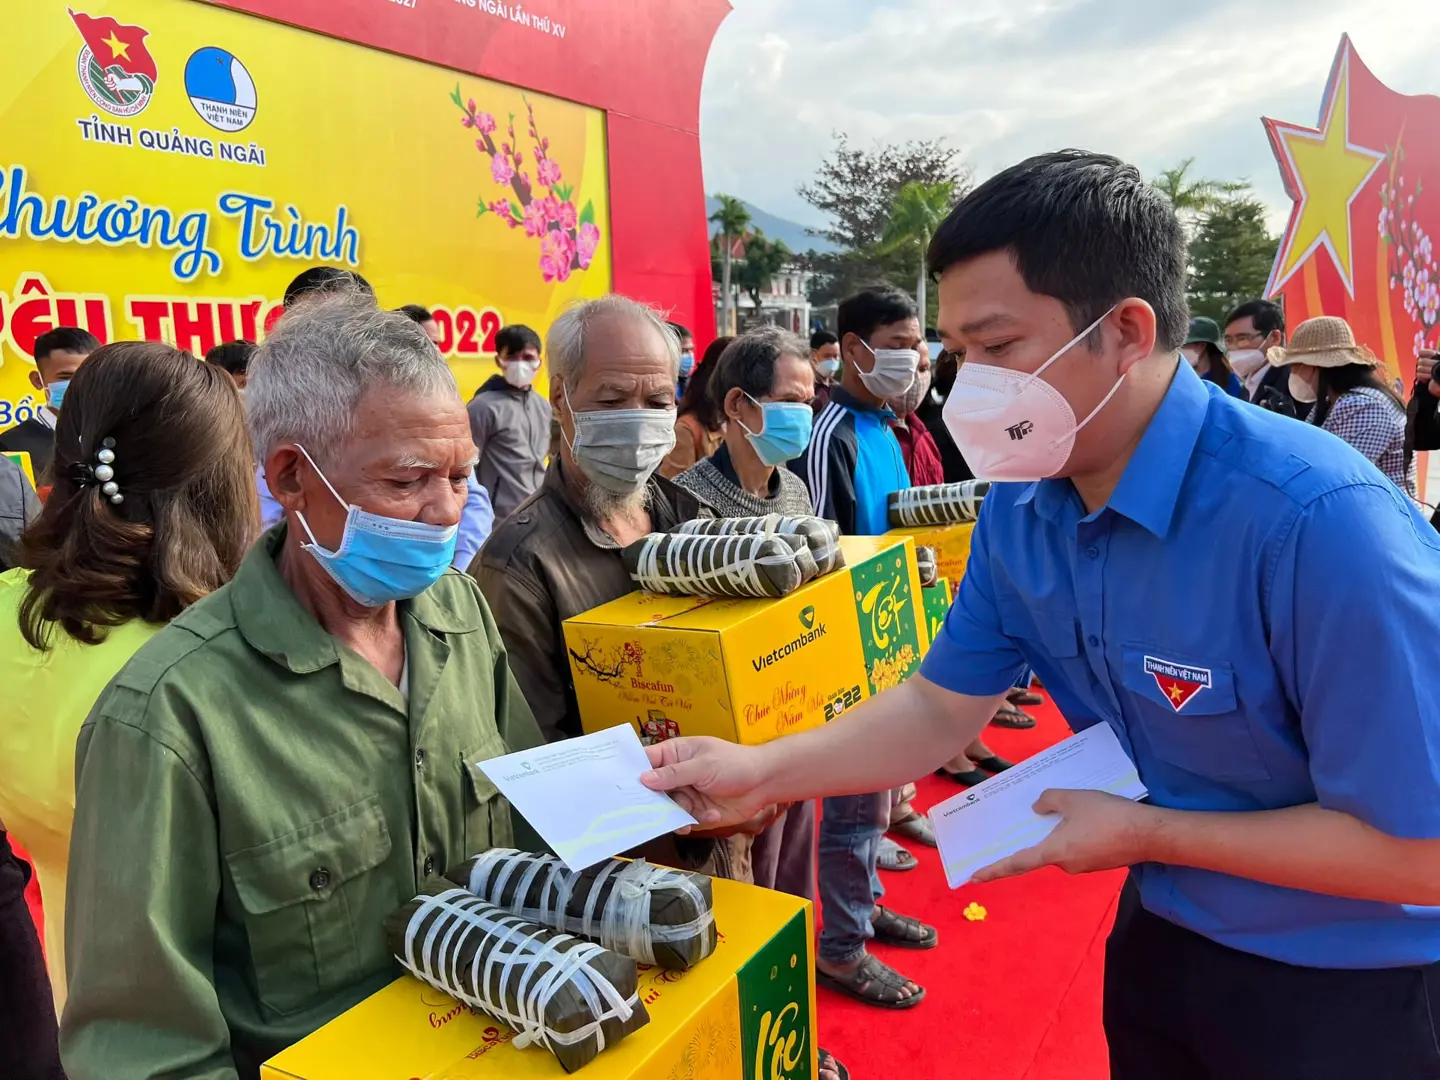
(47,696)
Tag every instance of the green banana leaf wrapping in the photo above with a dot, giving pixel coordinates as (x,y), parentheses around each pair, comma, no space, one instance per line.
(753,567)
(652,914)
(938,504)
(823,537)
(570,996)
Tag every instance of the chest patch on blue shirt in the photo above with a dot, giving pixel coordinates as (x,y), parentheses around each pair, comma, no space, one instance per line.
(1177,682)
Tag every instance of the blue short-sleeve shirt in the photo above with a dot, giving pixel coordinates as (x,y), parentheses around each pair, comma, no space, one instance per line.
(1256,612)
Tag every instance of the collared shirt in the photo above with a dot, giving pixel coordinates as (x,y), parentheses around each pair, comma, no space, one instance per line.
(1255,612)
(253,799)
(546,563)
(476,519)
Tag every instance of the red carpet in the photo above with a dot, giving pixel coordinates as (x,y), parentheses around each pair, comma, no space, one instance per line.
(1013,997)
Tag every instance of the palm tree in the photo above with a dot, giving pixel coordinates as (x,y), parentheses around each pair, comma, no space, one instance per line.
(733,219)
(915,213)
(1194,199)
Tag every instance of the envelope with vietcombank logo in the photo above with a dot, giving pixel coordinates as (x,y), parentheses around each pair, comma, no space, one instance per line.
(752,670)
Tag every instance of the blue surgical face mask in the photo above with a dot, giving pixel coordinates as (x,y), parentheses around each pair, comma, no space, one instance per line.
(382,559)
(55,393)
(785,433)
(687,364)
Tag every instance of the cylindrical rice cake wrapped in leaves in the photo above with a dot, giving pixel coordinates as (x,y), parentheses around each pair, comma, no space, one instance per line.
(822,536)
(652,914)
(749,567)
(571,996)
(937,504)
(803,556)
(926,564)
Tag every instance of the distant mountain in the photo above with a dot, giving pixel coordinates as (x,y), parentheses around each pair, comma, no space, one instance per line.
(775,228)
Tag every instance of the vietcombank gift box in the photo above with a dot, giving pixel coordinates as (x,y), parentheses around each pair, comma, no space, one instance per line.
(746,1012)
(935,599)
(951,544)
(752,670)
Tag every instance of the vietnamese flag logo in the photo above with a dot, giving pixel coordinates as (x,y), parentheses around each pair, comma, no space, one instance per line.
(116,69)
(1177,682)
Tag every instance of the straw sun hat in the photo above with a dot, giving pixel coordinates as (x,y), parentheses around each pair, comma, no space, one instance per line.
(1323,342)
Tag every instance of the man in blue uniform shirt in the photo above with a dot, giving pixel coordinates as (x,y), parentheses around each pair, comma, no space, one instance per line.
(1251,606)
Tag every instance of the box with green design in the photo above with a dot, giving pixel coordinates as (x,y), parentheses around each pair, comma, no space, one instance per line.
(749,671)
(746,1012)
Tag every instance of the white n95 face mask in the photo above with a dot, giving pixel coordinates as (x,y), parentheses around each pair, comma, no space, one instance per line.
(1010,425)
(892,374)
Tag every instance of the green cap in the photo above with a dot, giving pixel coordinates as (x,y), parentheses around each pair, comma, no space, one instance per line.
(1206,330)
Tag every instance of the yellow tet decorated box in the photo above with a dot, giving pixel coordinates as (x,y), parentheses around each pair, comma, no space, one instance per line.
(752,670)
(951,544)
(747,1012)
(935,600)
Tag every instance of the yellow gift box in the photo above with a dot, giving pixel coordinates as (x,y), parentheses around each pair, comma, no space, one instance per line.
(951,544)
(749,671)
(936,603)
(746,1012)
(22,459)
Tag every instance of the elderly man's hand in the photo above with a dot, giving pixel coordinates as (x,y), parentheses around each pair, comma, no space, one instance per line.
(753,827)
(1425,370)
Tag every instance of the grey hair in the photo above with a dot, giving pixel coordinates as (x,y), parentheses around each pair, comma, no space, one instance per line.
(749,362)
(307,379)
(565,343)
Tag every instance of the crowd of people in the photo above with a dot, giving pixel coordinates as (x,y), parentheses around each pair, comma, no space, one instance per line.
(268,612)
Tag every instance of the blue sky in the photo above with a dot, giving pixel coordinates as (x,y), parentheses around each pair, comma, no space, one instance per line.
(1152,81)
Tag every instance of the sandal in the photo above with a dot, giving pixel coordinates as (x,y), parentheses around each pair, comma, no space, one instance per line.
(902,930)
(894,857)
(969,778)
(830,1064)
(916,827)
(873,983)
(1022,698)
(1008,716)
(993,764)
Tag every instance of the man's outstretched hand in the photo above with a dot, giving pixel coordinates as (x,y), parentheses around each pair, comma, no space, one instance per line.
(716,781)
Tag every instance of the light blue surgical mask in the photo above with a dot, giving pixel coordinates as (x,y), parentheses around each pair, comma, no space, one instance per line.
(784,433)
(55,393)
(687,364)
(829,368)
(382,559)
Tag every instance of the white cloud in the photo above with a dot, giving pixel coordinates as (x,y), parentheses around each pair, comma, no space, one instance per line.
(1152,81)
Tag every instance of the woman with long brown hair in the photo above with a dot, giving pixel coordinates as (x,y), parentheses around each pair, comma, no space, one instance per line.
(153,507)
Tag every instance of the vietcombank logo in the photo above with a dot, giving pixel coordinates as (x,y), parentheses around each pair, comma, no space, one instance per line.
(813,632)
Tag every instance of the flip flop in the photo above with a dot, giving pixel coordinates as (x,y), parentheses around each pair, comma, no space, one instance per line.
(894,857)
(899,930)
(993,764)
(880,980)
(916,827)
(1010,717)
(968,778)
(829,1059)
(1024,698)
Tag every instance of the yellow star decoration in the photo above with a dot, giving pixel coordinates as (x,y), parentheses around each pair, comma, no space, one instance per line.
(975,913)
(1176,693)
(118,49)
(1329,172)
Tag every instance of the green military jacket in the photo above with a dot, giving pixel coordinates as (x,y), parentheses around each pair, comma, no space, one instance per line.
(252,799)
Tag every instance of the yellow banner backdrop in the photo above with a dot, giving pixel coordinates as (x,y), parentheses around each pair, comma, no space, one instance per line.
(169,167)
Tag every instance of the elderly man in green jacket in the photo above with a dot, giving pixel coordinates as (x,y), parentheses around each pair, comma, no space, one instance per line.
(284,764)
